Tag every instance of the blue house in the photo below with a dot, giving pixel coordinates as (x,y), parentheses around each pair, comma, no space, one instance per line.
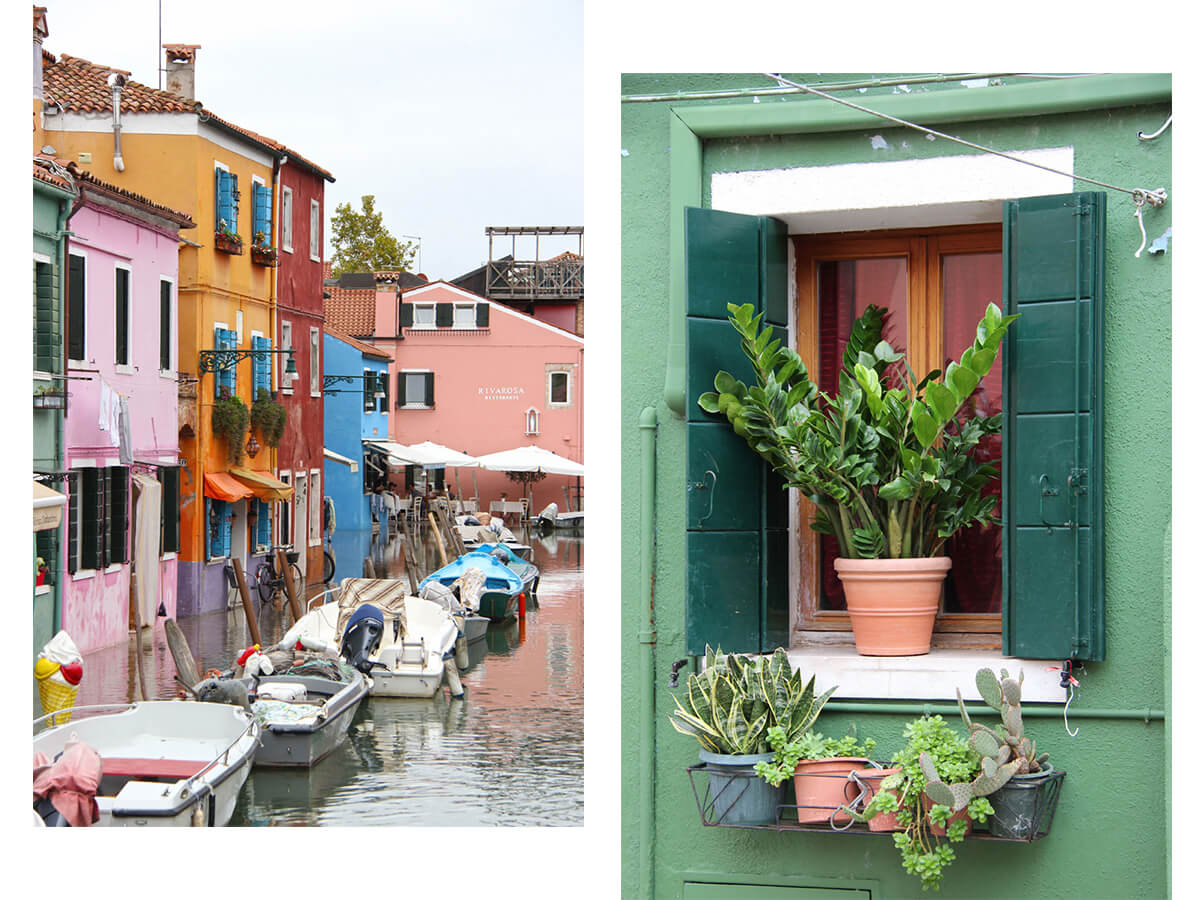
(356,409)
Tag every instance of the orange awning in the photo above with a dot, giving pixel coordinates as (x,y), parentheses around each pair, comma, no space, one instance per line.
(223,486)
(264,485)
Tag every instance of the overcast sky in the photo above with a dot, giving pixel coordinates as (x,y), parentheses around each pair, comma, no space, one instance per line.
(455,115)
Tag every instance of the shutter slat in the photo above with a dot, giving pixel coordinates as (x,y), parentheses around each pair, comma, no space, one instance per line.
(1052,479)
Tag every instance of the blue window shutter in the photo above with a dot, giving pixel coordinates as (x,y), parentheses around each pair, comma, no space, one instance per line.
(262,211)
(262,370)
(226,527)
(736,508)
(262,525)
(233,201)
(1053,480)
(208,532)
(224,339)
(225,201)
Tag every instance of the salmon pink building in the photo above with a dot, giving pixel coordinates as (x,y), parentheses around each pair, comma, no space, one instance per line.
(122,441)
(481,377)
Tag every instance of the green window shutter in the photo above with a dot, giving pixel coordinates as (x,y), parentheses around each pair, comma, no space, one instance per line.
(400,387)
(737,538)
(75,307)
(122,316)
(168,477)
(406,315)
(368,392)
(164,325)
(73,490)
(116,520)
(381,384)
(444,315)
(46,325)
(429,389)
(1053,479)
(92,522)
(483,314)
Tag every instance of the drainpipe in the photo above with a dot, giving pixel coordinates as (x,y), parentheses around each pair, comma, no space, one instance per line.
(116,81)
(66,209)
(649,426)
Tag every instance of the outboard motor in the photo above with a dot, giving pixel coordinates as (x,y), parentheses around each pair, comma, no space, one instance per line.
(362,637)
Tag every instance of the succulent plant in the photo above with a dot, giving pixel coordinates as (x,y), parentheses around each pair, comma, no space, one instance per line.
(1007,744)
(957,796)
(736,699)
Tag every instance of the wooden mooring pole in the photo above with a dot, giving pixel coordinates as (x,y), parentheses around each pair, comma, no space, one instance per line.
(281,560)
(247,606)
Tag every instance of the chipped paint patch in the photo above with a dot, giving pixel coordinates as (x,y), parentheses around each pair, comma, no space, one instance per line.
(1159,244)
(974,82)
(931,137)
(624,152)
(878,143)
(902,89)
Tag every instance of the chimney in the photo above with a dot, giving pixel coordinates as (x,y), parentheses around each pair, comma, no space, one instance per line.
(181,69)
(40,32)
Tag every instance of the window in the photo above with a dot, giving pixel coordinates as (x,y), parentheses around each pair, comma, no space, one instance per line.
(314,362)
(76,306)
(168,477)
(218,534)
(285,514)
(935,285)
(227,197)
(285,343)
(261,213)
(98,520)
(314,508)
(423,315)
(285,218)
(262,524)
(122,314)
(368,389)
(414,390)
(464,315)
(738,564)
(166,316)
(314,231)
(558,384)
(46,322)
(381,390)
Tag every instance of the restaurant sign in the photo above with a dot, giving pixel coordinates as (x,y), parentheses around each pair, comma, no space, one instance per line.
(501,393)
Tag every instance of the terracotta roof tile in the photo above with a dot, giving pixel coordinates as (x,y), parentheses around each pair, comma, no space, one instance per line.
(65,174)
(48,169)
(369,349)
(79,85)
(348,310)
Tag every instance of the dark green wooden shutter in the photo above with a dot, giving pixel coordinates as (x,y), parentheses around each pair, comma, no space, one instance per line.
(444,315)
(164,325)
(74,487)
(400,388)
(1053,480)
(75,307)
(368,394)
(381,385)
(122,317)
(116,524)
(483,313)
(168,477)
(406,315)
(92,522)
(737,522)
(46,312)
(429,389)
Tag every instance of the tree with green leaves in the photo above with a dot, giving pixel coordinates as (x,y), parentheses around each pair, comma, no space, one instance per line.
(361,243)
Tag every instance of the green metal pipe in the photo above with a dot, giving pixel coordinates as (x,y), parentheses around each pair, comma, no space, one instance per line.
(648,423)
(931,709)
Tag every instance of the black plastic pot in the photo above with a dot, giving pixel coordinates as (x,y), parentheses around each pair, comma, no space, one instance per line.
(1023,807)
(739,796)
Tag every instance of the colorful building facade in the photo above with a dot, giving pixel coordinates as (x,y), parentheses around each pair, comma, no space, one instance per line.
(121,438)
(753,200)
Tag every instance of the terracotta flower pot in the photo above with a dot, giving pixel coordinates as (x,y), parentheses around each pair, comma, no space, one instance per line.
(822,785)
(892,602)
(962,814)
(872,778)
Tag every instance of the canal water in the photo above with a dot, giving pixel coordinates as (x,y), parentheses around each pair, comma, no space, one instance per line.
(509,753)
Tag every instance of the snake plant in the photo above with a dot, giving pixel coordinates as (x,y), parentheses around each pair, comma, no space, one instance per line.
(887,461)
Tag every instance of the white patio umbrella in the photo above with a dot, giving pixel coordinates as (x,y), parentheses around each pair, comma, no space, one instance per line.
(530,459)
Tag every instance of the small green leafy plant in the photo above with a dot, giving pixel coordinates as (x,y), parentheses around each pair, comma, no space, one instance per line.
(813,745)
(940,775)
(230,419)
(268,417)
(732,705)
(887,460)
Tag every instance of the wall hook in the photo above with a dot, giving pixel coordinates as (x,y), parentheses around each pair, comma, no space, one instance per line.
(1150,137)
(1140,199)
(702,485)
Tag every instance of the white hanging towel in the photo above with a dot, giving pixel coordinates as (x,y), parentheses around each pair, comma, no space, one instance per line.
(114,419)
(146,544)
(125,434)
(105,405)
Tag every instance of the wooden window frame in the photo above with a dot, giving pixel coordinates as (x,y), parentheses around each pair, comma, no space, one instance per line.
(922,249)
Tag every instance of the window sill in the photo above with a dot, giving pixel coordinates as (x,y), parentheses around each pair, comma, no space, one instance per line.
(169,555)
(933,676)
(415,406)
(41,590)
(168,374)
(122,369)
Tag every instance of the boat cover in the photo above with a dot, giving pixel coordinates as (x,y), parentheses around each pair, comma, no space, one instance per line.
(496,575)
(70,782)
(386,594)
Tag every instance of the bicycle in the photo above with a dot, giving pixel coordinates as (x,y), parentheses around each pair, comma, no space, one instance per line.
(269,581)
(330,563)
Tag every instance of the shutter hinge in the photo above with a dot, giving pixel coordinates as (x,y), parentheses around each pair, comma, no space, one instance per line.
(1077,481)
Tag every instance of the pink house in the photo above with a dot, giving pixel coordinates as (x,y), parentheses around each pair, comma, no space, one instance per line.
(122,428)
(481,377)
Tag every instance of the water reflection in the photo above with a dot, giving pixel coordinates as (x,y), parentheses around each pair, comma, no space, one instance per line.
(510,753)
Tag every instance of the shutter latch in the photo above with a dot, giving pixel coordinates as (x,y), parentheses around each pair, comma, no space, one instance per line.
(1077,481)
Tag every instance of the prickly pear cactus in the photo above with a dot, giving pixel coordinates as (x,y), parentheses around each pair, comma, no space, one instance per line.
(1007,744)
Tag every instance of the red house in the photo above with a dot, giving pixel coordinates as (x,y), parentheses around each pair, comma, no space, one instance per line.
(299,243)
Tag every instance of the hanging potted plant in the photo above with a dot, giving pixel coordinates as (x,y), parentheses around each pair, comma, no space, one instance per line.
(268,417)
(227,240)
(230,419)
(888,465)
(1018,804)
(820,768)
(261,253)
(729,709)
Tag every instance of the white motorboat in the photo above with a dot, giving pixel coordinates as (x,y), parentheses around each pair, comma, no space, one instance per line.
(162,762)
(416,640)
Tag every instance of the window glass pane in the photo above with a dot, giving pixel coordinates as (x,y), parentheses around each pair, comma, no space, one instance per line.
(844,290)
(464,315)
(969,282)
(414,388)
(423,315)
(558,387)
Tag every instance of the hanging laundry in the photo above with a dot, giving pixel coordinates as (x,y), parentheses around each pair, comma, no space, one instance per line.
(105,409)
(125,433)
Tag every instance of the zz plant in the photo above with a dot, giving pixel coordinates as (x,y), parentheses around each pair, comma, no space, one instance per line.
(733,704)
(887,463)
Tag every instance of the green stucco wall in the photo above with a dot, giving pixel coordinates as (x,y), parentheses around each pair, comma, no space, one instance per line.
(1109,837)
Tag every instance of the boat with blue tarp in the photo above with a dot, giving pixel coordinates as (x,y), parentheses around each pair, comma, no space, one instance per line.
(500,590)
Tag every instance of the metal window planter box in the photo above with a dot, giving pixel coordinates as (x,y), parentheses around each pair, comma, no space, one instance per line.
(50,400)
(227,244)
(264,256)
(1035,826)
